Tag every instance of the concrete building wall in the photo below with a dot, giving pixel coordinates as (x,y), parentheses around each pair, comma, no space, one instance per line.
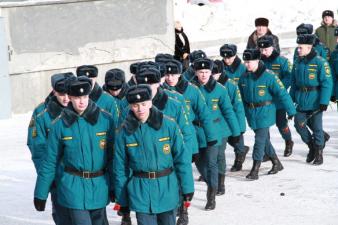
(46,37)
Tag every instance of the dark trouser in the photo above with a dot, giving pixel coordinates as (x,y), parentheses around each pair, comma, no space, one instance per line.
(315,123)
(262,144)
(238,147)
(207,165)
(88,217)
(221,160)
(165,218)
(282,124)
(60,214)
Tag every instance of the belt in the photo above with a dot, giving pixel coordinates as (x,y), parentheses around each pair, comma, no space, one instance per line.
(84,174)
(153,175)
(308,88)
(258,104)
(197,123)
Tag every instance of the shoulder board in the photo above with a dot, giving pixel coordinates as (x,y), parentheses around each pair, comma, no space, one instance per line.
(169,118)
(106,112)
(174,99)
(232,81)
(41,113)
(56,119)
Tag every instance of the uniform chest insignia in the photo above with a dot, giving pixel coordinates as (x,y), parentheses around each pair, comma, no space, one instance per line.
(164,139)
(132,145)
(166,149)
(312,76)
(32,122)
(67,138)
(261,92)
(101,133)
(103,144)
(34,134)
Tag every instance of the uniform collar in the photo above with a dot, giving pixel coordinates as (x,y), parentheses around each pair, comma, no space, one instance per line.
(272,57)
(182,85)
(91,114)
(309,56)
(154,120)
(233,67)
(223,79)
(210,85)
(160,99)
(260,70)
(96,93)
(54,108)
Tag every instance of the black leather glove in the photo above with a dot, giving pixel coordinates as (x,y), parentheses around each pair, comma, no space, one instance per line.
(123,211)
(290,117)
(235,139)
(112,196)
(39,204)
(212,143)
(322,107)
(333,99)
(188,197)
(195,157)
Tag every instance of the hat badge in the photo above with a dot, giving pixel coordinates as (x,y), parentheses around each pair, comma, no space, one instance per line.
(169,69)
(138,96)
(202,64)
(81,90)
(87,73)
(202,55)
(146,79)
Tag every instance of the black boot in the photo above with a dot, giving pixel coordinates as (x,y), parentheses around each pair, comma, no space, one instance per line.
(276,165)
(211,199)
(326,138)
(253,175)
(126,219)
(288,148)
(183,218)
(318,155)
(311,155)
(221,186)
(239,160)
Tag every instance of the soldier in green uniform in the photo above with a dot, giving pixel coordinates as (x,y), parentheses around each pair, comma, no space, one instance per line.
(334,68)
(282,68)
(150,145)
(311,89)
(225,125)
(82,139)
(236,100)
(97,95)
(233,66)
(259,87)
(42,125)
(189,74)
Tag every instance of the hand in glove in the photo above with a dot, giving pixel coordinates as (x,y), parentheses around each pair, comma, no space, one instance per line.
(39,204)
(195,157)
(322,107)
(333,99)
(187,199)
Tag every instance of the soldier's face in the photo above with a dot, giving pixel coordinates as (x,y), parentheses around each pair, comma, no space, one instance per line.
(172,79)
(80,103)
(261,30)
(203,76)
(230,60)
(62,98)
(216,76)
(304,50)
(251,65)
(141,110)
(115,92)
(266,51)
(328,20)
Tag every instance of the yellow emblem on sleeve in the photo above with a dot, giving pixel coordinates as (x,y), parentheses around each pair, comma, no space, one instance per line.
(166,149)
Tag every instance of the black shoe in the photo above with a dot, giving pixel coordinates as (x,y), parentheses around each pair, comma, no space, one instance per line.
(126,220)
(326,138)
(288,148)
(276,165)
(211,199)
(266,158)
(221,186)
(239,160)
(253,175)
(183,218)
(311,155)
(318,155)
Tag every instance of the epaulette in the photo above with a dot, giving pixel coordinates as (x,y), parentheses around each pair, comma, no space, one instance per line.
(57,119)
(106,112)
(193,85)
(41,113)
(232,81)
(169,118)
(175,100)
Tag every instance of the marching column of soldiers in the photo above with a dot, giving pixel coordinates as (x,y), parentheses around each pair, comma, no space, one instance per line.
(133,143)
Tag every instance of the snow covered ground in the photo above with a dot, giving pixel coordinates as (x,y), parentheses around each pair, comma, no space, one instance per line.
(311,192)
